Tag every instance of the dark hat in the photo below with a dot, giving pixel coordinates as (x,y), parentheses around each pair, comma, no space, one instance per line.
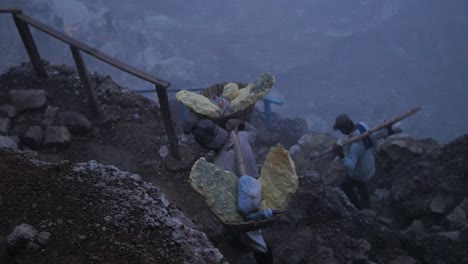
(208,134)
(188,127)
(344,123)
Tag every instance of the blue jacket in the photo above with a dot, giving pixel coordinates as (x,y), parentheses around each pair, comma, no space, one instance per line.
(359,162)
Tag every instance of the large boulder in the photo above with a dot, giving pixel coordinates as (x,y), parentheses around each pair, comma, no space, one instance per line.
(7,142)
(50,112)
(8,111)
(21,235)
(56,136)
(459,216)
(5,124)
(76,123)
(33,137)
(25,100)
(402,147)
(49,115)
(306,156)
(439,204)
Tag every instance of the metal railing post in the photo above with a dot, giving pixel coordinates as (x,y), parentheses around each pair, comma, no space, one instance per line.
(267,101)
(30,46)
(166,115)
(83,72)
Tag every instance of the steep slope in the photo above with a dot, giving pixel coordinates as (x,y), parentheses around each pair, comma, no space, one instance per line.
(94,214)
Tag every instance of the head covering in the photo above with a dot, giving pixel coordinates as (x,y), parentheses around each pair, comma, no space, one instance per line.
(343,123)
(208,134)
(188,127)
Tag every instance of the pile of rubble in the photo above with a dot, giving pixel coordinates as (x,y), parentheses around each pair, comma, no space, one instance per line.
(48,112)
(91,213)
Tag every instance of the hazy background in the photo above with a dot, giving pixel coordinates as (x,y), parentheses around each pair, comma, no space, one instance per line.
(373,59)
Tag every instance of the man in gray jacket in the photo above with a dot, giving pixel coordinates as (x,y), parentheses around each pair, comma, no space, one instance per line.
(211,136)
(359,160)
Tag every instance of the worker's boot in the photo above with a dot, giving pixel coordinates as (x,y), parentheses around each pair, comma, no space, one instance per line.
(264,258)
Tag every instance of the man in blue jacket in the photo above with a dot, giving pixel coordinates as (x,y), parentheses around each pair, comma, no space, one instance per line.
(359,160)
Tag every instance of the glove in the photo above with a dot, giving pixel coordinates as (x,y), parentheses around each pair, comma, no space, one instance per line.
(338,150)
(397,128)
(394,129)
(234,124)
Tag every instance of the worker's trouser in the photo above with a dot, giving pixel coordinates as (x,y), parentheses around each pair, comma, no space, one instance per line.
(254,240)
(349,187)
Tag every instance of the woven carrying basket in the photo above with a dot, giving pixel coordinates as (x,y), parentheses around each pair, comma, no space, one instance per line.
(252,225)
(217,89)
(244,115)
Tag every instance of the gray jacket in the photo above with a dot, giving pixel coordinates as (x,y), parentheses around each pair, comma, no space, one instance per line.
(226,159)
(226,156)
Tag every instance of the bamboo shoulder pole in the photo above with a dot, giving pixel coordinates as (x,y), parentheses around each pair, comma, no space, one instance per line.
(238,150)
(375,129)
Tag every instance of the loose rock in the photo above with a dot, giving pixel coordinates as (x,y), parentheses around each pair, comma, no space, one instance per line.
(57,136)
(33,137)
(5,124)
(25,100)
(21,235)
(8,111)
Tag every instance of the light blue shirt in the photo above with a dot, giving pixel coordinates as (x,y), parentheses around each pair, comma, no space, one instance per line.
(360,162)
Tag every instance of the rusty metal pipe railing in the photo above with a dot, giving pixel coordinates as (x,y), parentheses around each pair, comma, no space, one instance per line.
(23,21)
(83,72)
(31,48)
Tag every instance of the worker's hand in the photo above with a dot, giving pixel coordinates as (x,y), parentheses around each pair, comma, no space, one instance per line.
(234,124)
(337,149)
(397,128)
(276,212)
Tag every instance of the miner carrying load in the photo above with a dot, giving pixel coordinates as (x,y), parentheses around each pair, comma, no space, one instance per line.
(253,197)
(359,160)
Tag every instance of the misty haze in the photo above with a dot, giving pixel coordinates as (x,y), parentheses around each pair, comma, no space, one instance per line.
(370,59)
(98,167)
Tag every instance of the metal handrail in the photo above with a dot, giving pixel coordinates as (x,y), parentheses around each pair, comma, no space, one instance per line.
(11,10)
(92,51)
(23,21)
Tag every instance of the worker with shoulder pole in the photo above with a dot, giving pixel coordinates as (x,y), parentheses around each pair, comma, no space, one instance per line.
(234,153)
(359,160)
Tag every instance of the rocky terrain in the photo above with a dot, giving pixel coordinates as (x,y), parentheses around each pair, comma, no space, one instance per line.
(418,212)
(91,213)
(64,200)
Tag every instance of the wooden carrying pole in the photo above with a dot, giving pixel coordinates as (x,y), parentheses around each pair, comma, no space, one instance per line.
(238,150)
(373,130)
